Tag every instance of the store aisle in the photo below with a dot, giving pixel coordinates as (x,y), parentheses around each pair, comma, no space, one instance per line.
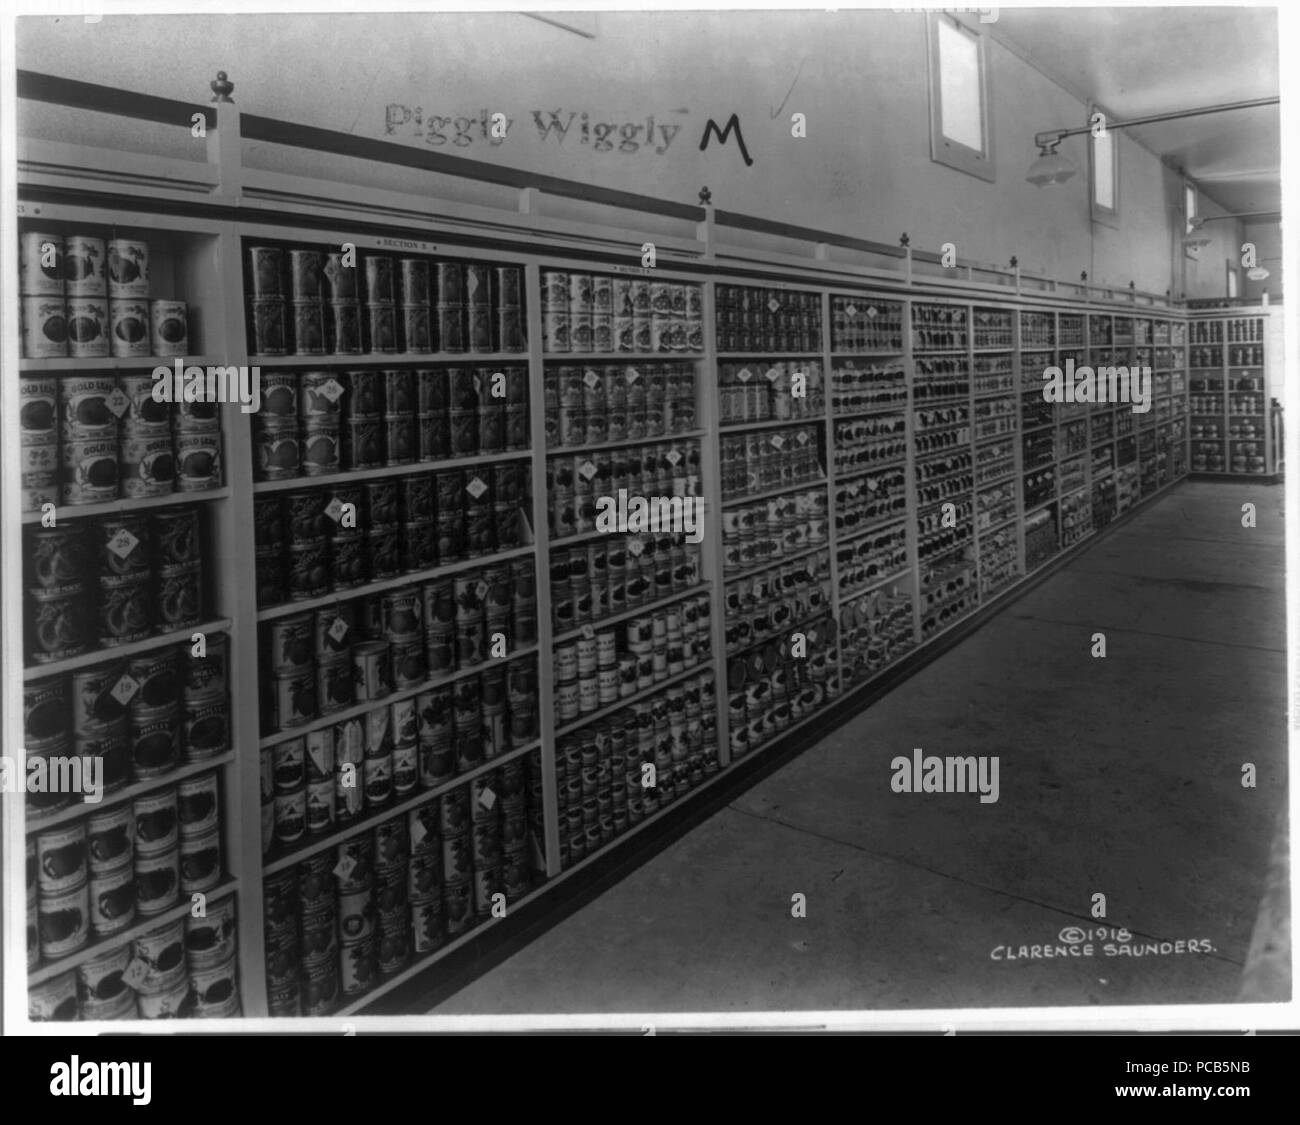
(1119,776)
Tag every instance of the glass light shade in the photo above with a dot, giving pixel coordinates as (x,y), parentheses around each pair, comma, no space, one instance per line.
(1050,168)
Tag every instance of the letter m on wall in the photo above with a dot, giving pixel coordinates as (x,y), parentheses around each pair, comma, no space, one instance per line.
(733,123)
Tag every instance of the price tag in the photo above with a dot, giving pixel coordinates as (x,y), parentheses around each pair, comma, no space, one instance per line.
(635,547)
(871,310)
(587,469)
(744,374)
(476,488)
(777,441)
(136,973)
(773,304)
(591,379)
(758,591)
(334,509)
(123,543)
(802,437)
(872,484)
(338,630)
(487,798)
(588,633)
(850,310)
(417,832)
(632,375)
(331,389)
(345,866)
(124,689)
(772,374)
(117,402)
(673,457)
(481,590)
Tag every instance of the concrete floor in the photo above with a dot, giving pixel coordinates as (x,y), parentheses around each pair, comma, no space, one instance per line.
(1119,776)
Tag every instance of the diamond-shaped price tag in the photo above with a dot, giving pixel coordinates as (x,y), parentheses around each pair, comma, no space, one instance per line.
(591,379)
(487,798)
(872,484)
(744,374)
(338,630)
(778,442)
(417,832)
(124,689)
(334,509)
(673,457)
(772,374)
(871,310)
(345,866)
(635,547)
(588,633)
(123,543)
(136,973)
(117,402)
(331,389)
(773,304)
(802,437)
(476,488)
(850,310)
(758,591)
(632,375)
(481,590)
(855,488)
(587,470)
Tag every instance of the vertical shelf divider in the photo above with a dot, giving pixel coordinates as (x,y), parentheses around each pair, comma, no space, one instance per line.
(708,404)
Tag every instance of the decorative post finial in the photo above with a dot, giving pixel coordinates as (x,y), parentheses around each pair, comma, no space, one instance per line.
(222,88)
(1014,261)
(706,196)
(905,240)
(1083,276)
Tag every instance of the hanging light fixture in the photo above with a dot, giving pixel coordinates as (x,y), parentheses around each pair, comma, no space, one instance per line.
(1196,238)
(1051,167)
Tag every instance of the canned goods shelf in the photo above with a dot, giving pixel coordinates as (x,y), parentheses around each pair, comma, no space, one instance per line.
(767,494)
(686,435)
(773,355)
(97,364)
(583,536)
(897,406)
(360,709)
(128,504)
(415,576)
(883,352)
(875,583)
(1004,348)
(348,476)
(874,467)
(396,359)
(279,859)
(994,527)
(635,611)
(626,701)
(982,485)
(769,564)
(572,358)
(779,423)
(119,652)
(773,634)
(93,948)
(871,529)
(921,402)
(127,793)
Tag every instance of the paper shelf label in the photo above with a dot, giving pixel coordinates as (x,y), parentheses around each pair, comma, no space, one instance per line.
(476,488)
(124,689)
(123,543)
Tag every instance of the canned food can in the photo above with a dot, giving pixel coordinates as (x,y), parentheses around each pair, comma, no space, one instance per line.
(205,726)
(198,461)
(291,815)
(147,466)
(157,880)
(44,327)
(343,328)
(270,330)
(169,327)
(110,838)
(53,1000)
(41,263)
(197,805)
(61,858)
(266,271)
(155,747)
(200,859)
(85,412)
(372,670)
(306,272)
(359,965)
(84,264)
(334,684)
(90,470)
(308,327)
(341,279)
(128,327)
(211,940)
(100,978)
(169,1004)
(161,951)
(211,990)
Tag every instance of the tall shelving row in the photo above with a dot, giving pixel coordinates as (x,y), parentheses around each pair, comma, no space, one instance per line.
(524,690)
(1231,418)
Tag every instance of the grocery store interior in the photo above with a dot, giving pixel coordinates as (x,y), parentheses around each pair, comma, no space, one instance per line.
(646,512)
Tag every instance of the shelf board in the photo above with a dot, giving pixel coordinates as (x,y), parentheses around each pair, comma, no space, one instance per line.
(127,793)
(121,652)
(768,493)
(280,858)
(70,366)
(981,486)
(635,611)
(880,467)
(287,609)
(828,610)
(371,359)
(984,396)
(992,349)
(616,357)
(129,504)
(994,528)
(359,709)
(94,948)
(870,353)
(870,529)
(685,435)
(874,584)
(743,427)
(769,564)
(815,353)
(349,476)
(593,533)
(700,668)
(898,406)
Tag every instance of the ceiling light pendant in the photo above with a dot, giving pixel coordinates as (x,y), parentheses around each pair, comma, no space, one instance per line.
(1050,167)
(1196,238)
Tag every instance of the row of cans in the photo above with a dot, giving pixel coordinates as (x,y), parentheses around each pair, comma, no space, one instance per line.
(664,468)
(871,557)
(772,600)
(770,687)
(90,439)
(618,770)
(863,324)
(82,265)
(333,774)
(768,530)
(568,291)
(95,327)
(338,922)
(592,405)
(765,392)
(864,443)
(866,500)
(858,386)
(594,580)
(626,500)
(770,459)
(113,580)
(754,319)
(181,969)
(603,333)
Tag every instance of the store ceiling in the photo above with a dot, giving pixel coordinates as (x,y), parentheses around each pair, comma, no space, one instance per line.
(1139,61)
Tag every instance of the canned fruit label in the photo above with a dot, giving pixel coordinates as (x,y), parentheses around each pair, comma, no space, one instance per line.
(44,327)
(112,901)
(63,922)
(88,327)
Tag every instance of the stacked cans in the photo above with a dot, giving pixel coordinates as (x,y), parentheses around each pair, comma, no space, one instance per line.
(769,459)
(115,580)
(763,392)
(333,774)
(875,630)
(591,405)
(593,671)
(752,319)
(761,606)
(857,386)
(753,534)
(773,685)
(871,557)
(618,770)
(309,543)
(863,324)
(594,580)
(660,475)
(582,312)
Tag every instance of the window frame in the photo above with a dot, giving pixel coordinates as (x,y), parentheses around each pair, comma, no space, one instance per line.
(1190,188)
(943,149)
(1233,283)
(1110,216)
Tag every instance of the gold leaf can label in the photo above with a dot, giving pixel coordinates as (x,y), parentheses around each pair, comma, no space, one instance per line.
(200,860)
(198,461)
(38,409)
(157,880)
(90,471)
(147,466)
